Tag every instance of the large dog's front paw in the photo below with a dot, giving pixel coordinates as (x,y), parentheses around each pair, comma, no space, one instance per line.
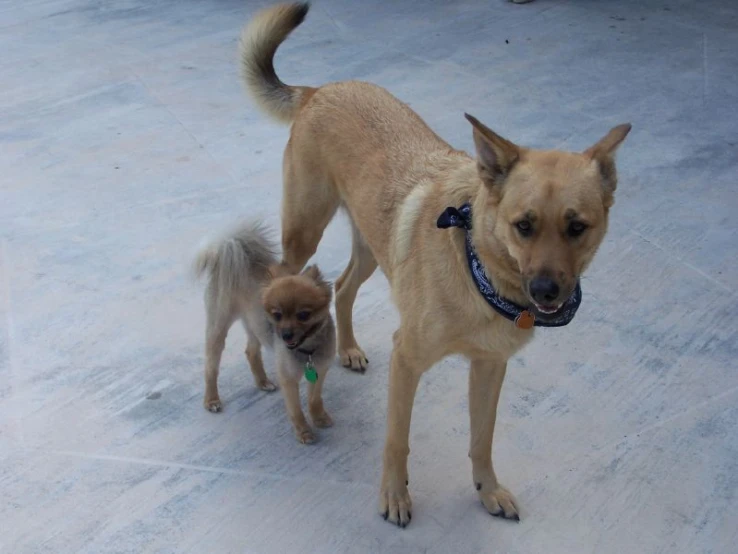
(353,358)
(499,502)
(395,504)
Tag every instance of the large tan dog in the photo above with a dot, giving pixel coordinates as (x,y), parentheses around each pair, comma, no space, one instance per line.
(534,220)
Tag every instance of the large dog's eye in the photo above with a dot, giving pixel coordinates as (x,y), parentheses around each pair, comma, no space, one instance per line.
(303,316)
(524,227)
(576,228)
(277,316)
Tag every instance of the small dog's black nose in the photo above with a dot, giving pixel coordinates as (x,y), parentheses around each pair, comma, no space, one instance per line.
(287,334)
(544,290)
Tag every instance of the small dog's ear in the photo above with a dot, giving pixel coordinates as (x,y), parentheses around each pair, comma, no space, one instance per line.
(603,153)
(496,156)
(313,272)
(317,277)
(278,270)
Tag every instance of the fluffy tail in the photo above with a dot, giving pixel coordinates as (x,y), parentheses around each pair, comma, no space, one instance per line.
(239,261)
(259,41)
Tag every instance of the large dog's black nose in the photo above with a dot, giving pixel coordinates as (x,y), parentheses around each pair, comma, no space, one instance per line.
(288,334)
(544,290)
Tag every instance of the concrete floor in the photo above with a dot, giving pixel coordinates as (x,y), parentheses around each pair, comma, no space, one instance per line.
(125,137)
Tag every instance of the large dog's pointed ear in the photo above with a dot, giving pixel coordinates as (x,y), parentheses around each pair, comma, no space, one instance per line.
(496,156)
(603,153)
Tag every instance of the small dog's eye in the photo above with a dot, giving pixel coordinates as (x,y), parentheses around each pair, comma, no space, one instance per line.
(576,228)
(524,227)
(277,316)
(303,316)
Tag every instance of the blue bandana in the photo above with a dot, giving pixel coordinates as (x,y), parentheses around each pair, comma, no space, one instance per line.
(462,218)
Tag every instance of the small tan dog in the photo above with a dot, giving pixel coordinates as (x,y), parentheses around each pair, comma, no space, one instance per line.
(529,223)
(289,313)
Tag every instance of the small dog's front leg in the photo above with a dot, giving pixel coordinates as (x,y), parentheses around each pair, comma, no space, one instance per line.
(485,383)
(315,401)
(291,391)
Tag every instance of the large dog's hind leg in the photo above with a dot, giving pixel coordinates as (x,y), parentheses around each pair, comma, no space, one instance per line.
(485,383)
(308,205)
(359,269)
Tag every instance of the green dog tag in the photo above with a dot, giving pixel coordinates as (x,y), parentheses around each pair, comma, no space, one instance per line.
(310,374)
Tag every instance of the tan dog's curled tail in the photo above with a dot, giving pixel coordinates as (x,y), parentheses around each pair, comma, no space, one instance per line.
(238,262)
(259,41)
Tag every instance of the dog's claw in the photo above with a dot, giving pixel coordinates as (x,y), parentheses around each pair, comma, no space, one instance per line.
(395,505)
(322,420)
(501,514)
(213,406)
(499,502)
(354,359)
(267,386)
(305,436)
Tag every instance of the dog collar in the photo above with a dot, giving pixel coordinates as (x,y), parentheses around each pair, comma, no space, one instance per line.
(310,332)
(523,317)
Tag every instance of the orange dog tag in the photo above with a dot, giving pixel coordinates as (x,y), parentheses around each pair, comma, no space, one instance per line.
(525,320)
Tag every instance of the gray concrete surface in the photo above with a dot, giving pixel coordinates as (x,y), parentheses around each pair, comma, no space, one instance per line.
(125,137)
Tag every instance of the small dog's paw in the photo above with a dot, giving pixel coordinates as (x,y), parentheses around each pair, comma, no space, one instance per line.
(305,436)
(354,359)
(213,405)
(322,420)
(499,502)
(395,504)
(267,386)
